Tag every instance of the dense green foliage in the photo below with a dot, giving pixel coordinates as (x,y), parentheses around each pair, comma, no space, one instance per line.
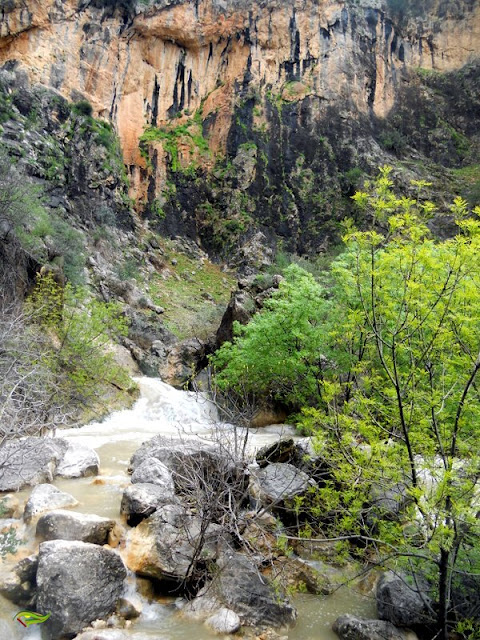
(382,358)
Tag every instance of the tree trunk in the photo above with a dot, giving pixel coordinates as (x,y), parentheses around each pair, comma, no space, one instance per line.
(443,595)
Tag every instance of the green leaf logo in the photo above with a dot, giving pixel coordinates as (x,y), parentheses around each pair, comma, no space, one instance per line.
(27,618)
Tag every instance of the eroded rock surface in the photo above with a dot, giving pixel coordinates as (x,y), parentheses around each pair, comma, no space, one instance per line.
(70,525)
(79,583)
(400,603)
(350,627)
(166,545)
(46,497)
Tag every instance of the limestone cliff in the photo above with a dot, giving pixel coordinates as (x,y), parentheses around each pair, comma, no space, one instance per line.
(258,112)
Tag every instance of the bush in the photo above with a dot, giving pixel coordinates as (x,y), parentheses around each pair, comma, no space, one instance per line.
(83,108)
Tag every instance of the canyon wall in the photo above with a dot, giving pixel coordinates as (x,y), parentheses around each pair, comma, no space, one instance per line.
(289,94)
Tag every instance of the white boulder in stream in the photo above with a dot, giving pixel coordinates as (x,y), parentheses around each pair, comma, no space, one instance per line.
(78,583)
(29,461)
(46,497)
(350,627)
(224,621)
(70,525)
(153,471)
(78,461)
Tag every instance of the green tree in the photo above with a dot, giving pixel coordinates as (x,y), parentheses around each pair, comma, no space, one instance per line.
(385,360)
(279,353)
(417,303)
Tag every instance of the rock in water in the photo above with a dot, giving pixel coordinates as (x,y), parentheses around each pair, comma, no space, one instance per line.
(78,461)
(238,586)
(154,472)
(102,634)
(34,460)
(79,583)
(224,621)
(46,497)
(140,500)
(29,461)
(19,585)
(349,627)
(401,604)
(164,545)
(69,525)
(241,587)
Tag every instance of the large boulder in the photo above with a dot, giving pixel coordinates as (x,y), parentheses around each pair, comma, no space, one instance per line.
(46,497)
(78,583)
(29,461)
(349,627)
(279,482)
(400,603)
(238,586)
(78,461)
(167,544)
(19,585)
(152,471)
(140,500)
(35,460)
(172,452)
(69,525)
(191,461)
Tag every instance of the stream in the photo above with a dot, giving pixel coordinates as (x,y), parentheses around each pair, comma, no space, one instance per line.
(161,409)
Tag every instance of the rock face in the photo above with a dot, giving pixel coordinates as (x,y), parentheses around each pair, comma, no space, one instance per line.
(34,460)
(78,462)
(166,545)
(349,627)
(29,462)
(294,93)
(155,472)
(79,583)
(238,586)
(140,500)
(401,604)
(68,525)
(19,585)
(279,482)
(46,497)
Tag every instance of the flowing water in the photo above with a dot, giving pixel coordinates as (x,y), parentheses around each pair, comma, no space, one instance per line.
(162,409)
